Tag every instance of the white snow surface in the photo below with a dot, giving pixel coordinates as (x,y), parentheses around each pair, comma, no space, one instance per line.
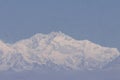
(55,51)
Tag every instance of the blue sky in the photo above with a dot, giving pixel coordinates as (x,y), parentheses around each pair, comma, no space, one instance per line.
(95,20)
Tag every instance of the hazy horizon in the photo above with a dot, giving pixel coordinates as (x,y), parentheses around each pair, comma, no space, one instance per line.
(97,21)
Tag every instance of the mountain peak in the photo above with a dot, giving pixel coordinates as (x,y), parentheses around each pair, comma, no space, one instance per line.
(52,34)
(55,50)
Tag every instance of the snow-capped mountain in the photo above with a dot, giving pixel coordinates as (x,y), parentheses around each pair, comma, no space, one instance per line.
(54,51)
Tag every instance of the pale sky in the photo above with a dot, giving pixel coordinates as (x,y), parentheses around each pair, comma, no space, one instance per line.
(95,20)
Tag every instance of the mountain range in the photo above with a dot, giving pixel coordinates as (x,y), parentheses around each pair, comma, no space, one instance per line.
(55,51)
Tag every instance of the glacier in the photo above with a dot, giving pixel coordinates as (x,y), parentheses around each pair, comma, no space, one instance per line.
(55,51)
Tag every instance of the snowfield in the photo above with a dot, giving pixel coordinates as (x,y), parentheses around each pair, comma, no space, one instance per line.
(55,51)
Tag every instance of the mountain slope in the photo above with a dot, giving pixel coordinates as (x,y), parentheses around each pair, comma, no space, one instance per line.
(55,51)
